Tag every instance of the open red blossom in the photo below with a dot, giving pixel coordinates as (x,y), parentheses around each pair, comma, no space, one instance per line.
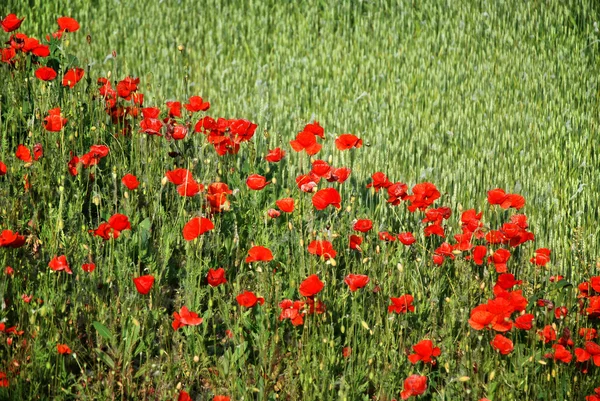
(63,349)
(249,300)
(524,322)
(179,176)
(322,248)
(285,205)
(38,151)
(363,225)
(45,73)
(130,181)
(119,222)
(59,263)
(88,267)
(414,385)
(54,121)
(196,104)
(93,157)
(397,193)
(479,253)
(306,182)
(292,310)
(593,310)
(179,132)
(356,281)
(548,334)
(591,351)
(407,238)
(437,215)
(24,154)
(502,344)
(595,283)
(499,197)
(11,23)
(273,213)
(434,229)
(355,242)
(320,169)
(560,354)
(588,333)
(3,380)
(306,141)
(11,239)
(424,351)
(348,141)
(257,182)
(275,155)
(67,24)
(499,259)
(325,197)
(339,175)
(185,318)
(311,286)
(144,284)
(541,257)
(385,236)
(196,227)
(174,109)
(380,180)
(315,128)
(216,277)
(72,77)
(259,254)
(424,194)
(402,304)
(184,396)
(127,86)
(221,398)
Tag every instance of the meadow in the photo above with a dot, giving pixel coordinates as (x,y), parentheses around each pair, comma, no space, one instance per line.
(118,209)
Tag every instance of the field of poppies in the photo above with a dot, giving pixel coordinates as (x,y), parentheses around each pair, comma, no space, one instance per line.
(314,200)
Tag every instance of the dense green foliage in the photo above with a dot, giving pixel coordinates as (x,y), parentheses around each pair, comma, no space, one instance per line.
(469,95)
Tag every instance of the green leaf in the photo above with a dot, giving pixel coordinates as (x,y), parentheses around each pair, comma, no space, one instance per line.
(103,331)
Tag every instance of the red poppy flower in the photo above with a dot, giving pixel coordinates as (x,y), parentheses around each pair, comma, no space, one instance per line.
(249,300)
(196,104)
(594,307)
(3,380)
(67,24)
(144,284)
(479,253)
(311,286)
(196,227)
(414,385)
(437,215)
(11,23)
(59,263)
(363,225)
(221,398)
(315,128)
(257,182)
(397,193)
(591,351)
(339,175)
(325,197)
(285,205)
(45,73)
(588,334)
(321,169)
(548,334)
(130,181)
(306,141)
(424,351)
(88,267)
(560,354)
(348,141)
(275,155)
(185,318)
(54,121)
(10,239)
(184,396)
(63,349)
(524,322)
(216,277)
(434,229)
(561,312)
(502,344)
(259,254)
(174,109)
(119,222)
(322,248)
(38,151)
(24,154)
(356,281)
(499,259)
(355,242)
(424,194)
(273,213)
(306,183)
(541,257)
(385,236)
(292,310)
(93,157)
(346,352)
(72,77)
(127,86)
(380,180)
(407,238)
(402,304)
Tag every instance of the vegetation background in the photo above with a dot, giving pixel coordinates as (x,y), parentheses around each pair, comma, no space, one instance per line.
(469,95)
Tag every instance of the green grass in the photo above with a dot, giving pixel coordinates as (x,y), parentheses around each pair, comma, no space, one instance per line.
(468,95)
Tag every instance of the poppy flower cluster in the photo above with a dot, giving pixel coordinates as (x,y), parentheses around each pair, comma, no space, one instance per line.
(113,227)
